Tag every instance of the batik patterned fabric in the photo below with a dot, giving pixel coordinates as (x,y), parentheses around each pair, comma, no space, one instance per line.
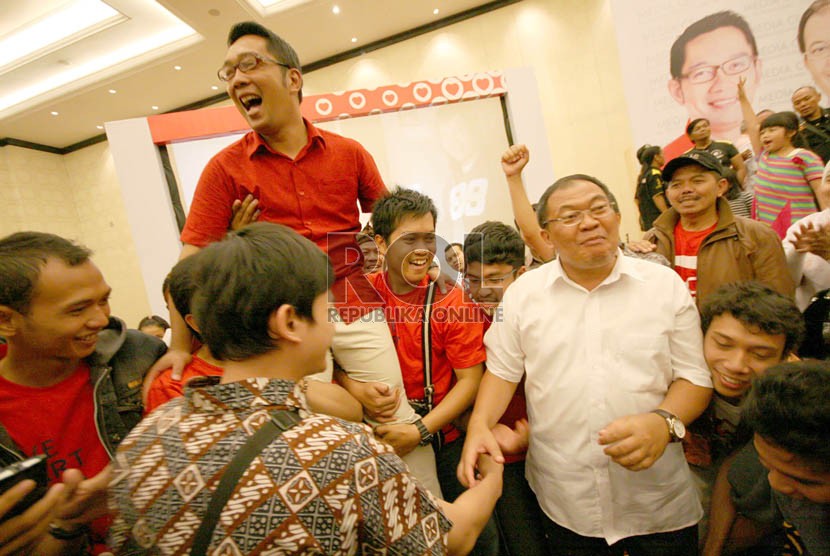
(325,486)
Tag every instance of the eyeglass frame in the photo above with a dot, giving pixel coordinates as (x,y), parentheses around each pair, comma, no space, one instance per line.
(580,215)
(498,279)
(720,67)
(235,67)
(822,44)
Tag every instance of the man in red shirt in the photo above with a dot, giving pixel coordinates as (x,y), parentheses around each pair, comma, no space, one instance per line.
(70,378)
(494,256)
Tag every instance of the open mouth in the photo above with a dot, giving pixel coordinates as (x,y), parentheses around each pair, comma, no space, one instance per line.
(418,262)
(732,383)
(250,101)
(88,339)
(723,103)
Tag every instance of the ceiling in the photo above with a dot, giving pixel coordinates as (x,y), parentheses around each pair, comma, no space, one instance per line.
(59,84)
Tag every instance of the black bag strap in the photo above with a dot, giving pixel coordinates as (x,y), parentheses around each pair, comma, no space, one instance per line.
(817,131)
(426,345)
(281,421)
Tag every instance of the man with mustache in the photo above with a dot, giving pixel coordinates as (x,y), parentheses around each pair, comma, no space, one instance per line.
(705,243)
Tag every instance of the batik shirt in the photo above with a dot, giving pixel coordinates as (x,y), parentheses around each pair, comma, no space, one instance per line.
(325,486)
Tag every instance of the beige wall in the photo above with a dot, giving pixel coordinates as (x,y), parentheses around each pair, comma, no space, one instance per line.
(75,196)
(570,44)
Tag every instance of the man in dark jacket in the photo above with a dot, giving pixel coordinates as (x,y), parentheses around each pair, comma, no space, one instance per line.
(705,243)
(70,378)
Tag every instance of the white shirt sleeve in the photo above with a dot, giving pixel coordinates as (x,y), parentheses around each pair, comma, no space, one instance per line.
(686,340)
(505,357)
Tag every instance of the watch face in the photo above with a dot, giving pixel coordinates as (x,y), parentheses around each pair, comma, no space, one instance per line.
(679,429)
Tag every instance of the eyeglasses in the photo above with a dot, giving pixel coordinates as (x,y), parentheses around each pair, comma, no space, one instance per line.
(247,63)
(705,74)
(475,283)
(819,50)
(575,217)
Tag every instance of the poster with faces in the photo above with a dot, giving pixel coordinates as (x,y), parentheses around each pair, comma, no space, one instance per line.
(668,86)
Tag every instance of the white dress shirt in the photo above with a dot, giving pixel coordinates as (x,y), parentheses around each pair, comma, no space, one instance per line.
(810,272)
(590,358)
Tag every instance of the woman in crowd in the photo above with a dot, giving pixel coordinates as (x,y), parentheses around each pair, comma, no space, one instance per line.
(650,196)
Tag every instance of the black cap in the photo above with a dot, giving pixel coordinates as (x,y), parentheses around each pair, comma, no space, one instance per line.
(701,158)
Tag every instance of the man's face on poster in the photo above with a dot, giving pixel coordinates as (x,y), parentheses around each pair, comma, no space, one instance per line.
(708,85)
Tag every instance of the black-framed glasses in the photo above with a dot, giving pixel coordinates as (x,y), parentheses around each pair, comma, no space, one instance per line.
(247,62)
(734,66)
(574,217)
(819,50)
(476,283)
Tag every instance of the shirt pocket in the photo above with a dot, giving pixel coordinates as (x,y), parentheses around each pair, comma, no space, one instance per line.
(641,363)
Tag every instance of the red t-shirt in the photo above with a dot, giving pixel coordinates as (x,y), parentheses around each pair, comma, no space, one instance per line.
(58,421)
(686,246)
(457,338)
(316,194)
(164,388)
(517,408)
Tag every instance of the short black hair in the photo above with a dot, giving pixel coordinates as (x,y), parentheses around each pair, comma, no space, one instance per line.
(711,22)
(154,320)
(787,406)
(691,126)
(277,46)
(811,10)
(494,243)
(181,286)
(789,121)
(400,203)
(542,205)
(451,245)
(756,306)
(244,278)
(23,255)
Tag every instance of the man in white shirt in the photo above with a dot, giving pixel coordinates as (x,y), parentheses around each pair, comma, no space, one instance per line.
(612,351)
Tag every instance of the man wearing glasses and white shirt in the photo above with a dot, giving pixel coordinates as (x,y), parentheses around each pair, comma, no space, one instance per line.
(612,351)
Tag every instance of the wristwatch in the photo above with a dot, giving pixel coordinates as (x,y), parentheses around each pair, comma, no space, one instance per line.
(426,436)
(677,430)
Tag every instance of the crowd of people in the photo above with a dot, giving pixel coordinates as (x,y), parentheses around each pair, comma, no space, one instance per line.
(549,391)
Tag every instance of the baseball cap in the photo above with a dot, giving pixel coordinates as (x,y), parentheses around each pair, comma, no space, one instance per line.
(701,158)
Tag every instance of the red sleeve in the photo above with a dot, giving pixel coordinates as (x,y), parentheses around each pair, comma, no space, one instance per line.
(463,333)
(163,389)
(370,186)
(210,211)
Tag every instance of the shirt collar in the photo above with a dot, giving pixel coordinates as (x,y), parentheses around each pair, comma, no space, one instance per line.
(622,266)
(256,142)
(207,395)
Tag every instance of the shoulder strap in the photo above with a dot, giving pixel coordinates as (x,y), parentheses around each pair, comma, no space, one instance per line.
(280,422)
(426,345)
(816,130)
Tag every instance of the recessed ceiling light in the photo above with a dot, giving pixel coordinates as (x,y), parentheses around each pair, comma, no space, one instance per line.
(177,68)
(335,9)
(53,113)
(354,39)
(113,91)
(435,11)
(214,87)
(154,107)
(99,127)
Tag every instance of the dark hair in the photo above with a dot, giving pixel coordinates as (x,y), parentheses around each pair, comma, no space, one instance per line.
(787,406)
(451,245)
(181,286)
(645,156)
(706,25)
(542,207)
(400,203)
(23,255)
(154,320)
(811,10)
(691,125)
(789,121)
(756,306)
(277,46)
(247,276)
(494,243)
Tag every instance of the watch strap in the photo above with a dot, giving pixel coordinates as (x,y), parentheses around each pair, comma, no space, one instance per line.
(426,436)
(671,419)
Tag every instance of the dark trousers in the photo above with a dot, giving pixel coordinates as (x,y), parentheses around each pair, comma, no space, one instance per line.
(446,460)
(564,542)
(520,520)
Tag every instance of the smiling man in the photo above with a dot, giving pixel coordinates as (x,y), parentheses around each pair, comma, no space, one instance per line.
(705,243)
(611,351)
(70,374)
(707,60)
